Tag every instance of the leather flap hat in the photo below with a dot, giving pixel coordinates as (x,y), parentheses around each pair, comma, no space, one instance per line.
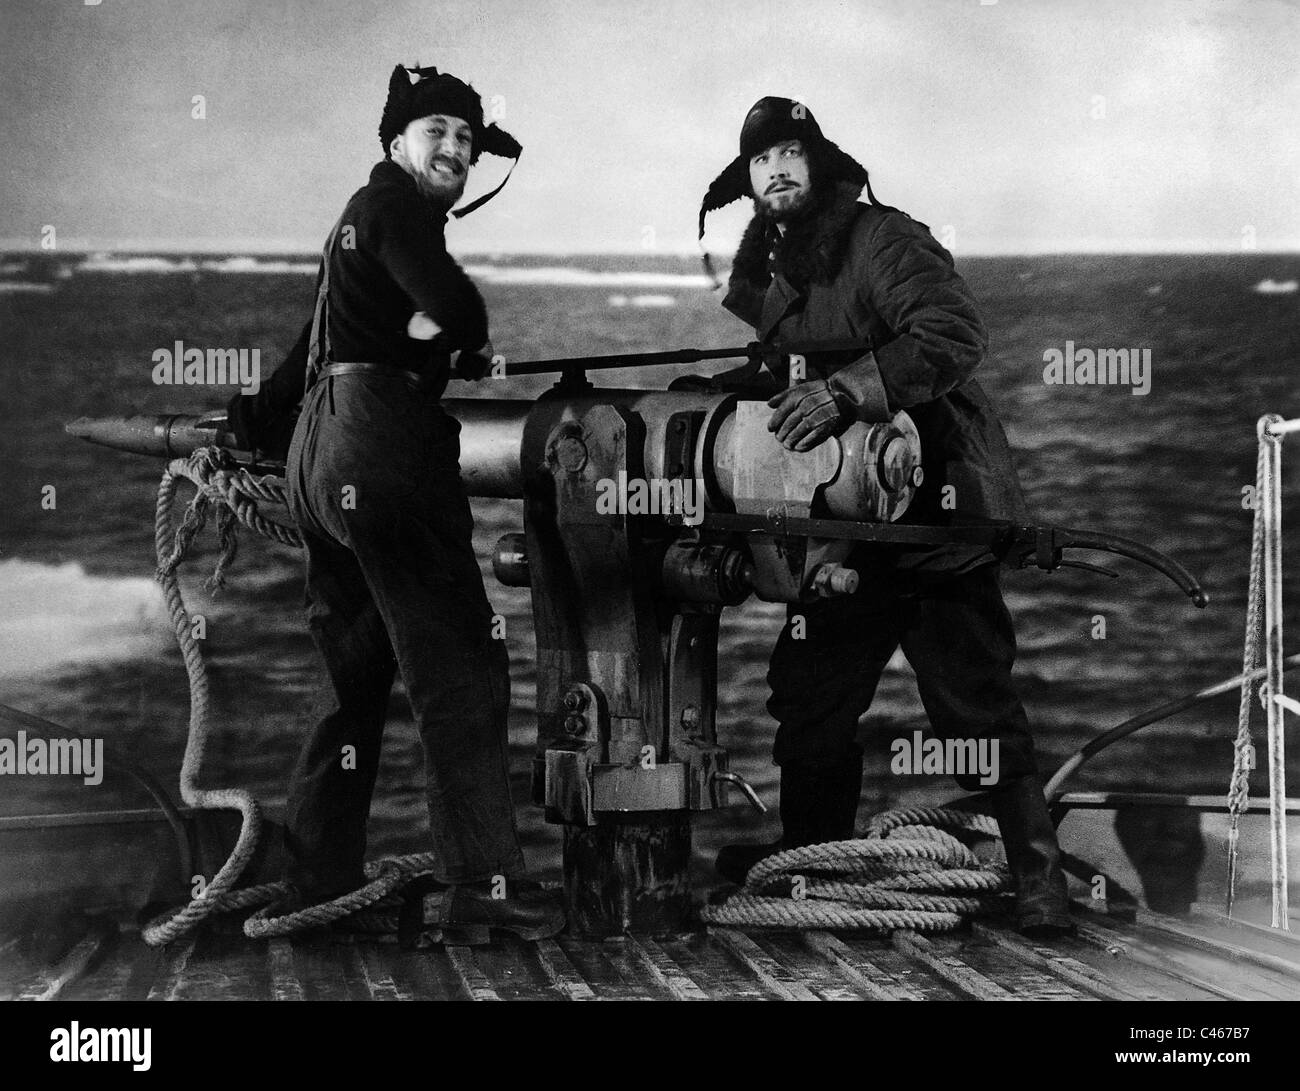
(770,120)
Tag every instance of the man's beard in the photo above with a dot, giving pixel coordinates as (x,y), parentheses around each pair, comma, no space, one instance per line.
(802,205)
(441,190)
(439,195)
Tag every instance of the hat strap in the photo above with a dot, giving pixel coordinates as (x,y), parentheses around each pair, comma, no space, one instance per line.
(479,202)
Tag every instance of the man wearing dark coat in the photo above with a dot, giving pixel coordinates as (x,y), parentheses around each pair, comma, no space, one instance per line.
(393,585)
(818,264)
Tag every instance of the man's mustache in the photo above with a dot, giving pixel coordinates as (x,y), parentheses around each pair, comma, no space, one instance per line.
(454,165)
(775,186)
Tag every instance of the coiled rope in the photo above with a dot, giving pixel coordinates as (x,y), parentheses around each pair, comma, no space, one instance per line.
(908,871)
(236,493)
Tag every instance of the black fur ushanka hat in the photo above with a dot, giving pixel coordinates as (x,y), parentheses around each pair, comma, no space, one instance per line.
(434,92)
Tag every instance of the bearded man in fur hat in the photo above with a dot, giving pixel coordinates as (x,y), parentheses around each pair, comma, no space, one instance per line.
(818,264)
(393,585)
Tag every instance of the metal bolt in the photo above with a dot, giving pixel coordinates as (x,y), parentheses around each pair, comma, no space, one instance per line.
(575,724)
(571,453)
(575,700)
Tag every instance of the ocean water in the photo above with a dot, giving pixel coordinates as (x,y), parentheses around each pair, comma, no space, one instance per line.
(84,641)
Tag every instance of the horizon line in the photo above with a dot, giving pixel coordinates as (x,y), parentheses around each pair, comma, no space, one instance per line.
(295,249)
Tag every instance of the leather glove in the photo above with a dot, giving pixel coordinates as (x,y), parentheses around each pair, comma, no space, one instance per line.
(806,415)
(474,365)
(694,384)
(860,391)
(739,380)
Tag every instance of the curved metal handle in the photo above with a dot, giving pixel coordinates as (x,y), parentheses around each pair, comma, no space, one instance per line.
(744,785)
(1126,547)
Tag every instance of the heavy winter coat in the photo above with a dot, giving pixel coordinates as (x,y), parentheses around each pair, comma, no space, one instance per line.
(870,273)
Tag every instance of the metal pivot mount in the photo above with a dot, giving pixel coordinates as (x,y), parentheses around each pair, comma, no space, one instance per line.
(626,619)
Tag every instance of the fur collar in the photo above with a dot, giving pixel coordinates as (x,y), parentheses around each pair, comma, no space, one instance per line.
(812,249)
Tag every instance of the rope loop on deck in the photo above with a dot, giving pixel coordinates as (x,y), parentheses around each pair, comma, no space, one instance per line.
(908,871)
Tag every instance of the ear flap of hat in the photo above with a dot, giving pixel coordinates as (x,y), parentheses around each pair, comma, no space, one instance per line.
(839,164)
(496,141)
(731,185)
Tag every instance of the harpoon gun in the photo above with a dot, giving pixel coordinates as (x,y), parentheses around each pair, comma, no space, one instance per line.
(645,514)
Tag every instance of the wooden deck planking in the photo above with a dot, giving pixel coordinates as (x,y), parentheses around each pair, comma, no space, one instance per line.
(1277,940)
(946,965)
(377,971)
(429,973)
(600,971)
(1065,966)
(326,972)
(664,970)
(472,979)
(285,983)
(1019,976)
(712,968)
(516,971)
(48,982)
(873,982)
(905,972)
(563,976)
(822,976)
(1150,958)
(774,976)
(1200,959)
(1216,974)
(1247,949)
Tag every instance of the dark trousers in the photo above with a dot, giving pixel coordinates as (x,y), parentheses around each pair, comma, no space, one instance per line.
(393,585)
(958,637)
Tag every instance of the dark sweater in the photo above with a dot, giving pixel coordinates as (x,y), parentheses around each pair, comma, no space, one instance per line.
(389,260)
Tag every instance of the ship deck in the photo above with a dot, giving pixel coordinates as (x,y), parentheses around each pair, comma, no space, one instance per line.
(1148,957)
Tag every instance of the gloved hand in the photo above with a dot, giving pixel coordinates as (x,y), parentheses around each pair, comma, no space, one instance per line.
(473,365)
(806,415)
(739,380)
(694,384)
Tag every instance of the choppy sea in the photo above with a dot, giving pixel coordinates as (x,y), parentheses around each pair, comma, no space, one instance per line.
(84,641)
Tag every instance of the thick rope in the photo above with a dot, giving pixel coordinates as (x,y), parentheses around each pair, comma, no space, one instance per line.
(237,494)
(907,872)
(170,551)
(1239,783)
(749,911)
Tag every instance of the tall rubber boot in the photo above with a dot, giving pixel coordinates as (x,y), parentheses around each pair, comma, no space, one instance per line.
(817,805)
(1034,857)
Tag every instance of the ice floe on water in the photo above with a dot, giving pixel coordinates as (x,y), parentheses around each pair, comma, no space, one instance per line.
(571,277)
(55,615)
(258,265)
(560,276)
(113,263)
(642,301)
(137,263)
(1276,287)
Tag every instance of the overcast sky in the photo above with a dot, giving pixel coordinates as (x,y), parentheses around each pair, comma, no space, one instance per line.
(1019,126)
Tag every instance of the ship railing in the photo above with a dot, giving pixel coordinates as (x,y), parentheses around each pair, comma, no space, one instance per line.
(1266,575)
